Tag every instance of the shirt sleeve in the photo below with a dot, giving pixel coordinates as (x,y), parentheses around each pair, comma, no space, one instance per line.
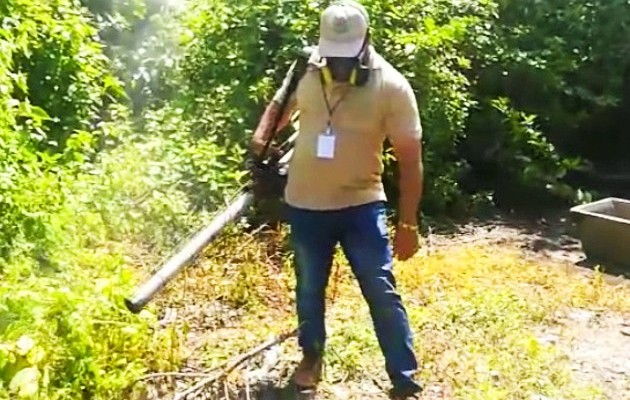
(402,118)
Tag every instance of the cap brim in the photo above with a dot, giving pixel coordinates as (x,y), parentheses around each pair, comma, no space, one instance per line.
(330,48)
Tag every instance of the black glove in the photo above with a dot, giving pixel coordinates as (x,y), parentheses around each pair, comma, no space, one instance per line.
(266,180)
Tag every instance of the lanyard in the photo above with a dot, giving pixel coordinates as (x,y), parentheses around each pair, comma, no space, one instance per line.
(331,110)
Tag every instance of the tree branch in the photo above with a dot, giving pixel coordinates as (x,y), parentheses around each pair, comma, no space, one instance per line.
(231,366)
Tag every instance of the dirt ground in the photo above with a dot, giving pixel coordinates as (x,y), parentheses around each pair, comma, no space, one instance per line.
(597,341)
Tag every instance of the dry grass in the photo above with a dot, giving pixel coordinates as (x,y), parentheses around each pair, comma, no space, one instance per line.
(475,310)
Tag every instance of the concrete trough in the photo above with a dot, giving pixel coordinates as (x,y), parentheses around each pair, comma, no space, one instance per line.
(603,227)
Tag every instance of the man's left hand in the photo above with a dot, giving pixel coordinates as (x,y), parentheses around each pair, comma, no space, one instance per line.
(406,243)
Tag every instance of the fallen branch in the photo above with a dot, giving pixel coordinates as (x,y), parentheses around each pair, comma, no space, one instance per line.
(175,374)
(236,363)
(271,359)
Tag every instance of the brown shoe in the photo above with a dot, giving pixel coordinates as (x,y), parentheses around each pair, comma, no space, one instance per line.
(308,372)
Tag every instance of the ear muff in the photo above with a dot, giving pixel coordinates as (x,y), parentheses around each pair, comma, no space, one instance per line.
(353,77)
(361,73)
(326,75)
(359,76)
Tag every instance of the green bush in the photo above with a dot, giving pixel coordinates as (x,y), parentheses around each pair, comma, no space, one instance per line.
(561,64)
(54,85)
(66,204)
(462,59)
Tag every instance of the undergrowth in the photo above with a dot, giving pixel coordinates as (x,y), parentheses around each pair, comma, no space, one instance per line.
(65,331)
(475,312)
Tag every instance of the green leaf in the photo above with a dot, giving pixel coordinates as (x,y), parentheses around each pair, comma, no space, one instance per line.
(24,345)
(39,113)
(25,383)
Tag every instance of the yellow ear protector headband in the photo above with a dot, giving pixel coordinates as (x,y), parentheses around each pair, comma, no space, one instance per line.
(359,75)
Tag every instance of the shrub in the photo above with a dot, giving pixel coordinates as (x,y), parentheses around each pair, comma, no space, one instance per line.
(462,59)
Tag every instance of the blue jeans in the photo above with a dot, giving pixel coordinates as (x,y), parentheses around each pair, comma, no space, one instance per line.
(362,233)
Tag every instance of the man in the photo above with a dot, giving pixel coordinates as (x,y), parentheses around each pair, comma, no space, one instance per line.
(350,101)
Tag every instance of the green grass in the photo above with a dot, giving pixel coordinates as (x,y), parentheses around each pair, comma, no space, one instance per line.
(475,312)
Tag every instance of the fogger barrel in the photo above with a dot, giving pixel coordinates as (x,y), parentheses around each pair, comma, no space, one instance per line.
(183,257)
(148,290)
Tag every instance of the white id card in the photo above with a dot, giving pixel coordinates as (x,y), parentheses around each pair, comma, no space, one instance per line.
(326,146)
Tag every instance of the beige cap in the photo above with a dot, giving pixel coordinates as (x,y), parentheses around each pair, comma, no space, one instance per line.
(343,28)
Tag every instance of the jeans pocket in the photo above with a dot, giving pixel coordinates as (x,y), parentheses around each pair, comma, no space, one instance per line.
(382,223)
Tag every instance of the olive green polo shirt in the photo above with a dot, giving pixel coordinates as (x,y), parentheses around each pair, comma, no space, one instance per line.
(364,118)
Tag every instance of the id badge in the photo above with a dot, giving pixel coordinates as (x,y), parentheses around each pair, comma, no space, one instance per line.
(326,145)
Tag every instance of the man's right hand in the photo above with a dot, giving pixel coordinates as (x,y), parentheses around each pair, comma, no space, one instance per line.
(257,146)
